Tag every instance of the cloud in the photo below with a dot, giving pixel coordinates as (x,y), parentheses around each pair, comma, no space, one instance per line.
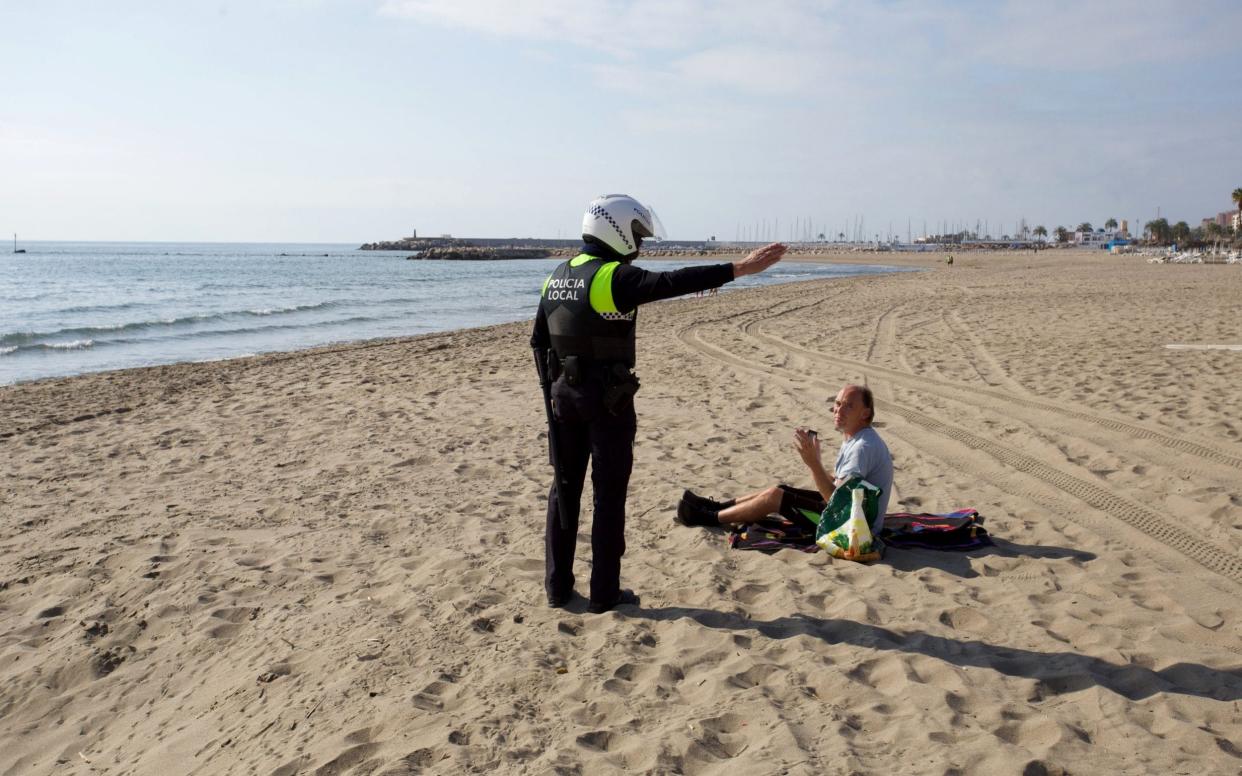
(780,47)
(751,68)
(1065,35)
(609,25)
(619,25)
(769,48)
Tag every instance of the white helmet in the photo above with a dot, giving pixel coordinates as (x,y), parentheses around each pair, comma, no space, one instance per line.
(621,222)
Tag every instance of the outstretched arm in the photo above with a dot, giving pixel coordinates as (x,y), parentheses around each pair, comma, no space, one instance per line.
(759,260)
(633,286)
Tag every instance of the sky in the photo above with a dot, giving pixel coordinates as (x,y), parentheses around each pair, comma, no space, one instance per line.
(361,120)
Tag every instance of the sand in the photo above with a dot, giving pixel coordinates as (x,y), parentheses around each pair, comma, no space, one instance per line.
(331,561)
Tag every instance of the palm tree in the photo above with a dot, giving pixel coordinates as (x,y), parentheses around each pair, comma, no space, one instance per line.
(1159,231)
(1237,198)
(1180,232)
(1062,234)
(1110,224)
(1085,226)
(1041,233)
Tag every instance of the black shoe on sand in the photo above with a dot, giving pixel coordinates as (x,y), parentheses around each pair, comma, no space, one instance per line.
(624,598)
(703,501)
(689,513)
(560,601)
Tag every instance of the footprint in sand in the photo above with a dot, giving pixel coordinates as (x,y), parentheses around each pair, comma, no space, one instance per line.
(598,713)
(751,677)
(966,619)
(622,681)
(597,740)
(224,631)
(748,594)
(431,697)
(670,675)
(413,763)
(237,614)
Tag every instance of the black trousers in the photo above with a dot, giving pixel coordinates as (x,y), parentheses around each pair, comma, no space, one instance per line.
(585,430)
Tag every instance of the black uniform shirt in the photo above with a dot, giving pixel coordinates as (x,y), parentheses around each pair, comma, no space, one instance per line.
(633,286)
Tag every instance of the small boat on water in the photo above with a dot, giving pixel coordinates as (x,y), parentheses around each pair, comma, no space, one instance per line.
(15,248)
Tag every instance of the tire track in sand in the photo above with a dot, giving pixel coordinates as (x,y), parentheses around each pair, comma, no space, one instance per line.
(984,362)
(955,391)
(1064,422)
(1145,521)
(883,333)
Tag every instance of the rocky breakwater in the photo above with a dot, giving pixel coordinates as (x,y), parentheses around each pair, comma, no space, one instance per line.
(478,253)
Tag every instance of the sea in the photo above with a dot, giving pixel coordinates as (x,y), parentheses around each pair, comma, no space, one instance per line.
(68,308)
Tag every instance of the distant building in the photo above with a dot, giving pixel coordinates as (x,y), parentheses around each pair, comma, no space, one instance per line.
(1235,220)
(1097,239)
(1125,228)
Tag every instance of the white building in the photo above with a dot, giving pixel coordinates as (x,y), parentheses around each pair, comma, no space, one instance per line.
(1095,239)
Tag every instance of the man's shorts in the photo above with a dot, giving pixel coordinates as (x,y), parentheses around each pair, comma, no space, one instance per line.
(801,505)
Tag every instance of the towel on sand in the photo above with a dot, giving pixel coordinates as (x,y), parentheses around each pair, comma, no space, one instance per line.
(959,530)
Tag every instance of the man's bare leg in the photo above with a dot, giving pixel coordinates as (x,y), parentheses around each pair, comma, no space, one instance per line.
(752,506)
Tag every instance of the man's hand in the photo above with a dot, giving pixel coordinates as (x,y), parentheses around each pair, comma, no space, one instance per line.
(759,260)
(807,447)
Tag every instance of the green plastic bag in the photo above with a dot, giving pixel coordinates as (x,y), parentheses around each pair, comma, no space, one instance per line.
(845,525)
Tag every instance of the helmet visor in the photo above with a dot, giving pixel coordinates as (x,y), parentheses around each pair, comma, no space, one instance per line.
(657,228)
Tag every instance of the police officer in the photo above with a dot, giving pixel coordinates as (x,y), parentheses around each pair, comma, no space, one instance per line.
(584,347)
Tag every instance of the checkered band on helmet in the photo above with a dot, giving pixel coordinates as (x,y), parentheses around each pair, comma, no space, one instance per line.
(599,212)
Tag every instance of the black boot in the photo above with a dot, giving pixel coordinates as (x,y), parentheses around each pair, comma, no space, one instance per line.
(624,598)
(689,513)
(705,502)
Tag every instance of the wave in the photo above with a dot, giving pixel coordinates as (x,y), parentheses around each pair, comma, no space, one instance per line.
(81,344)
(205,333)
(103,308)
(27,338)
(202,334)
(75,345)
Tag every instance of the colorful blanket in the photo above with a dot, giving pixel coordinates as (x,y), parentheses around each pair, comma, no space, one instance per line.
(960,530)
(773,533)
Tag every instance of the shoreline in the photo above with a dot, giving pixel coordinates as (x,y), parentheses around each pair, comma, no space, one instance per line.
(346,544)
(371,339)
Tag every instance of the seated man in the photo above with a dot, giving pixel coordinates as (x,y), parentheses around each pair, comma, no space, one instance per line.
(863,454)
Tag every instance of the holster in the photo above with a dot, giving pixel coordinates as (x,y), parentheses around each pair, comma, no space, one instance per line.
(620,385)
(553,366)
(573,369)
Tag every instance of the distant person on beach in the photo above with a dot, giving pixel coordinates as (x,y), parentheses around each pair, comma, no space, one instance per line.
(585,353)
(863,454)
(949,260)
